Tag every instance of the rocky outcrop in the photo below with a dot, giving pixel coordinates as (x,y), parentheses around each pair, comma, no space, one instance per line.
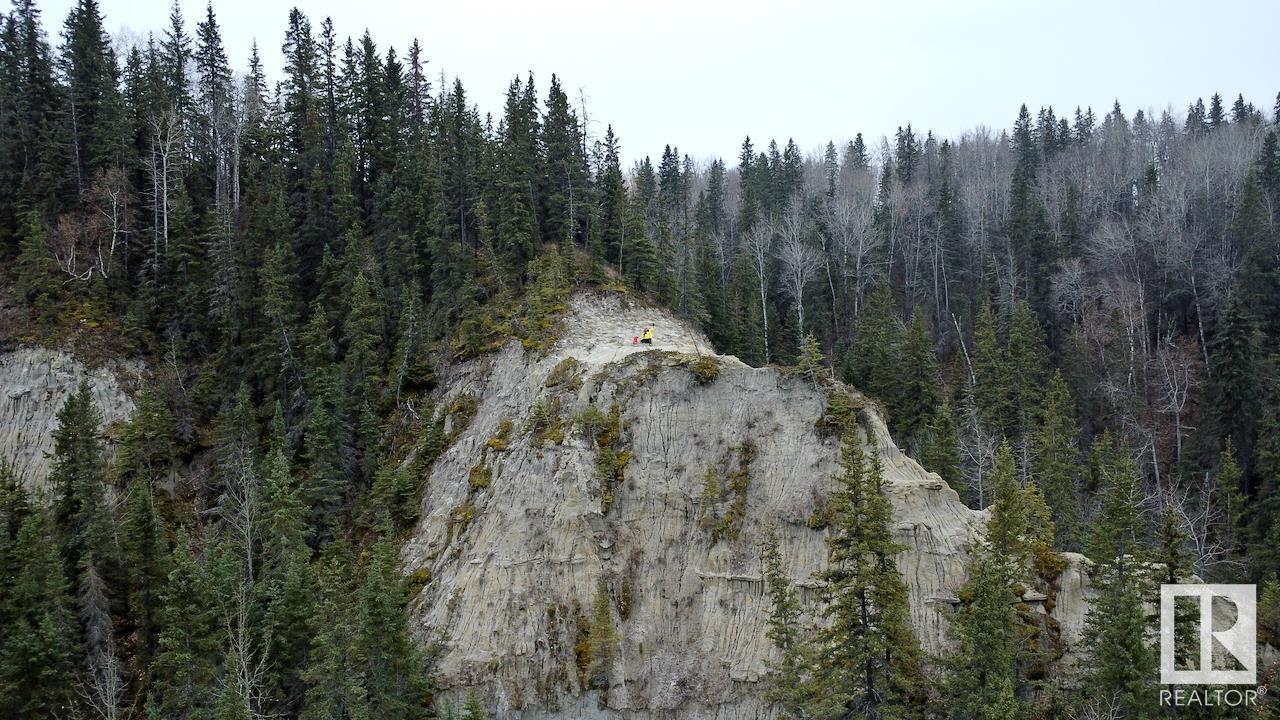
(522,530)
(34,384)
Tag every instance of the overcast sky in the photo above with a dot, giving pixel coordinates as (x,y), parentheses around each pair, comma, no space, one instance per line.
(702,75)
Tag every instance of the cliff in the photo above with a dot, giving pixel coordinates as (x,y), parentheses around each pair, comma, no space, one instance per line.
(34,384)
(528,522)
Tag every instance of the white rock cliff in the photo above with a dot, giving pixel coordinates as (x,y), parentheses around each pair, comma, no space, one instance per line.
(34,384)
(515,566)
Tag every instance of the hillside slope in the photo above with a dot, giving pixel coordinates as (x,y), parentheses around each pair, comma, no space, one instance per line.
(522,538)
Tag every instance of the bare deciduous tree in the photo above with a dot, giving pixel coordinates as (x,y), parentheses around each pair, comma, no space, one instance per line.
(800,261)
(852,243)
(759,244)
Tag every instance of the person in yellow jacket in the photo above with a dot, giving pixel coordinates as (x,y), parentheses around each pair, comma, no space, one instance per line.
(647,336)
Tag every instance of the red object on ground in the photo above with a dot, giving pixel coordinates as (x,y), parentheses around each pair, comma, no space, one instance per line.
(635,339)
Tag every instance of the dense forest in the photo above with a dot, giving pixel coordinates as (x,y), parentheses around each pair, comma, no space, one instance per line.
(1076,319)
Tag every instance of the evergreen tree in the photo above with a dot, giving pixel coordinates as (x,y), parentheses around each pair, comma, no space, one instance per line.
(1254,240)
(1010,526)
(1227,503)
(81,514)
(32,137)
(982,676)
(868,650)
(563,169)
(1236,388)
(941,453)
(283,528)
(874,355)
(474,710)
(1269,166)
(790,690)
(992,374)
(334,675)
(1217,117)
(94,115)
(184,674)
(919,390)
(1121,662)
(1053,461)
(38,646)
(393,674)
(288,587)
(147,444)
(1028,369)
(37,281)
(810,362)
(517,207)
(324,431)
(147,564)
(363,330)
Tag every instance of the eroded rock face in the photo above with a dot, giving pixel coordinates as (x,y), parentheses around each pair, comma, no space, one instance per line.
(34,384)
(517,565)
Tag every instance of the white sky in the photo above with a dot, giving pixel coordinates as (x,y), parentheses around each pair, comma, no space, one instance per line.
(701,75)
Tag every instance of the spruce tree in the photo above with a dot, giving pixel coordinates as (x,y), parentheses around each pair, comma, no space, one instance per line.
(474,710)
(147,564)
(874,355)
(982,677)
(283,528)
(612,189)
(93,115)
(334,675)
(810,362)
(38,646)
(1264,516)
(790,689)
(941,453)
(1009,528)
(992,390)
(290,595)
(1121,662)
(1217,117)
(147,444)
(364,340)
(394,677)
(81,514)
(37,281)
(1236,387)
(184,674)
(563,169)
(1227,504)
(1253,238)
(1028,368)
(869,653)
(919,389)
(324,428)
(1053,462)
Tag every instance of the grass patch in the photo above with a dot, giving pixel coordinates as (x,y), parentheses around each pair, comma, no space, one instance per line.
(459,518)
(567,374)
(724,493)
(704,368)
(479,477)
(461,412)
(498,443)
(612,455)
